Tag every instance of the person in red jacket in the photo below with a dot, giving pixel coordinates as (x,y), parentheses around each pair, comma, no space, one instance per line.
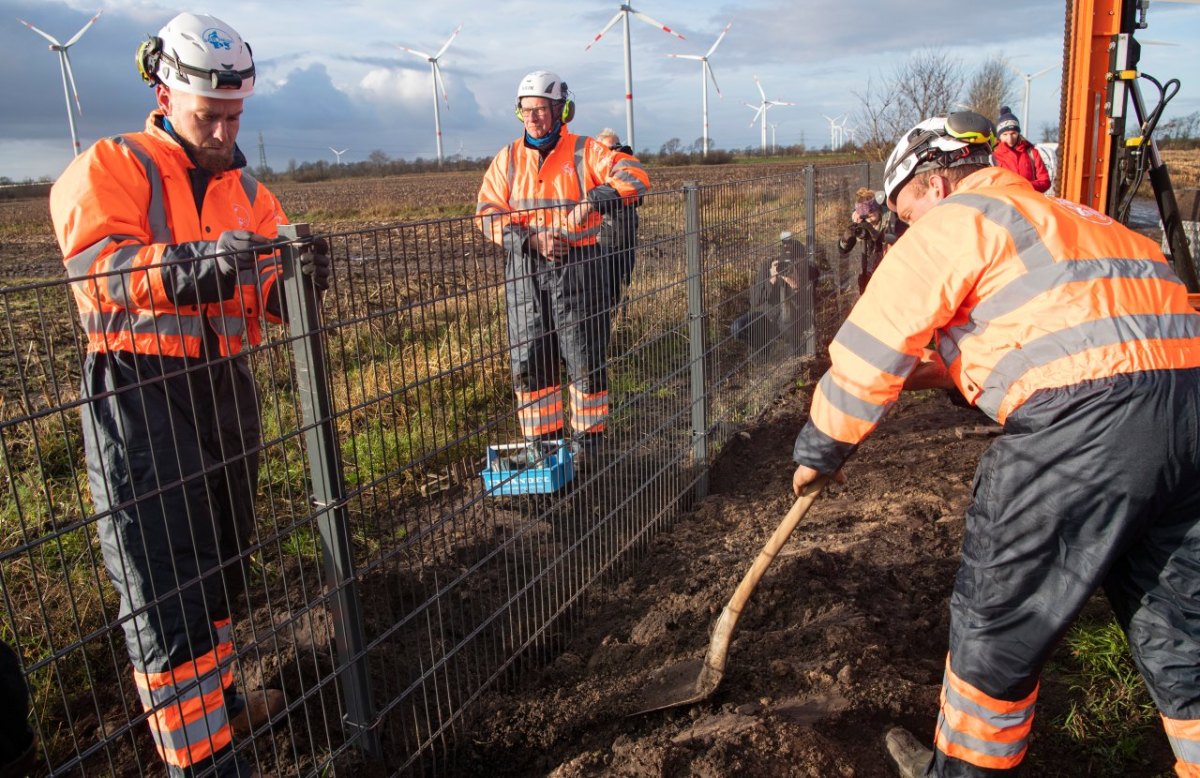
(543,200)
(1014,152)
(1073,332)
(166,240)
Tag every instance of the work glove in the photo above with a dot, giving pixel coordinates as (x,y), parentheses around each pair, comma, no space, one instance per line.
(192,275)
(239,250)
(316,264)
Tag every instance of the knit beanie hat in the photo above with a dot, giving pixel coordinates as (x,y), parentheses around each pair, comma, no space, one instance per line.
(1007,121)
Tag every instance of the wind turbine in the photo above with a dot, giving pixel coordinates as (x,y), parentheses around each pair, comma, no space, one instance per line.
(68,77)
(762,109)
(835,131)
(773,126)
(338,154)
(436,79)
(1025,102)
(624,13)
(706,74)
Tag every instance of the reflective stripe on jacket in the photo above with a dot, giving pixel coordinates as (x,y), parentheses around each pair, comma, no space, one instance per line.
(519,181)
(1023,293)
(120,209)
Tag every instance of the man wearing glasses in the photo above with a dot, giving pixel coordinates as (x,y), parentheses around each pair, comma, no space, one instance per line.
(1074,333)
(542,200)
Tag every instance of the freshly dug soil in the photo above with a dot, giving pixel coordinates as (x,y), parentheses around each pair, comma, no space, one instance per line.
(845,636)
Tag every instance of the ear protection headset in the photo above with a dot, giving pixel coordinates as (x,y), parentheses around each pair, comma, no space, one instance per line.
(568,107)
(148,54)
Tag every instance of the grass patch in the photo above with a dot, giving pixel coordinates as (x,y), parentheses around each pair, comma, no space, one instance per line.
(1108,719)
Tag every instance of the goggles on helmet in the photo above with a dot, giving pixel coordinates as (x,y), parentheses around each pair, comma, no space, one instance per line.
(961,138)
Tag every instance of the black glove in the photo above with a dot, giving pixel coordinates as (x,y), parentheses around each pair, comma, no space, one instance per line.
(239,250)
(315,263)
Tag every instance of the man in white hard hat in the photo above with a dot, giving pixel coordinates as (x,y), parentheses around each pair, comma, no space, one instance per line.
(1073,332)
(542,200)
(165,236)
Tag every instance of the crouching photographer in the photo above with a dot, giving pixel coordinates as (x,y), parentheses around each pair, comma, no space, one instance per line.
(774,307)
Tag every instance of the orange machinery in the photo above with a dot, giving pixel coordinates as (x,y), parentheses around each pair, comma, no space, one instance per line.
(1102,163)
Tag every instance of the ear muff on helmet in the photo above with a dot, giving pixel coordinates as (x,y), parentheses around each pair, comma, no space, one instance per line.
(148,54)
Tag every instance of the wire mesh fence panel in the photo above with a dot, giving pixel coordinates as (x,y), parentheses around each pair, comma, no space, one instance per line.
(399,499)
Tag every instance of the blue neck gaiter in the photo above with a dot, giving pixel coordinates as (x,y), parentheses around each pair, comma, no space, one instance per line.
(546,143)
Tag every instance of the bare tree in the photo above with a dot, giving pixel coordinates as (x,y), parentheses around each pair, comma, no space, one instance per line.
(878,119)
(991,87)
(927,84)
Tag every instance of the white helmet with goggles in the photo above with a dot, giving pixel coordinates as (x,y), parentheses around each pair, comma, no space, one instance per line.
(201,55)
(963,138)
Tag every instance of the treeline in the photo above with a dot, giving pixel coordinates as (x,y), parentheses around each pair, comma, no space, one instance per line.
(1182,132)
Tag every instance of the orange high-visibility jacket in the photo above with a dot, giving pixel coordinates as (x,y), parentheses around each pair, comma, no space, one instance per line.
(578,169)
(125,204)
(1022,292)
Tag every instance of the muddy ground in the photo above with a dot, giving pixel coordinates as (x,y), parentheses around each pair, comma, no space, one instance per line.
(845,635)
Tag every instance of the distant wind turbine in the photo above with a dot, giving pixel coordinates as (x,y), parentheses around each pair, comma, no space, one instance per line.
(761,111)
(1025,102)
(338,154)
(436,76)
(706,74)
(624,13)
(68,77)
(835,131)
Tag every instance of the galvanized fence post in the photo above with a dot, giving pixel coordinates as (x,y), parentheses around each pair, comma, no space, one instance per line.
(696,340)
(328,495)
(810,239)
(866,173)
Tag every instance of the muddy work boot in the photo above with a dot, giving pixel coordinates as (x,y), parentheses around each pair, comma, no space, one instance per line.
(912,759)
(261,706)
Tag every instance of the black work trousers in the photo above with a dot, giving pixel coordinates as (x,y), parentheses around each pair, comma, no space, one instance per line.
(1093,485)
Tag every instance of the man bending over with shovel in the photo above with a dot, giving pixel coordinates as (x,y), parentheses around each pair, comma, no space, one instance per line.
(1074,333)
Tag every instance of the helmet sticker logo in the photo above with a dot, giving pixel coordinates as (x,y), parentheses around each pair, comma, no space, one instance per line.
(218,39)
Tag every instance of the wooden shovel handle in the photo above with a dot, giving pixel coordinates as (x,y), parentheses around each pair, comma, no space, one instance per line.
(718,646)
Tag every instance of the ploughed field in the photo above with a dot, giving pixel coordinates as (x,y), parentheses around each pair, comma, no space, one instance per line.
(28,248)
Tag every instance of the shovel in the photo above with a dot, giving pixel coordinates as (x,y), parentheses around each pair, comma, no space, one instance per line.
(695,679)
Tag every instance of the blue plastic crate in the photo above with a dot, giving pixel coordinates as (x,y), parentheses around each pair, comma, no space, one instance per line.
(554,471)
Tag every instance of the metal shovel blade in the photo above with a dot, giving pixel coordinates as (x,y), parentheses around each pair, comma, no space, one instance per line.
(695,679)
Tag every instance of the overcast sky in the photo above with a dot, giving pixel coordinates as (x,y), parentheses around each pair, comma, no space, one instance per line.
(332,73)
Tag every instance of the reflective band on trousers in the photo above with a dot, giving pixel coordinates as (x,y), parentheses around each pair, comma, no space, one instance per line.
(1184,735)
(982,730)
(540,412)
(188,718)
(589,412)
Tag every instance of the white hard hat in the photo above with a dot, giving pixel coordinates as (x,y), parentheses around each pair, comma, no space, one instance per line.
(542,83)
(201,55)
(963,138)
